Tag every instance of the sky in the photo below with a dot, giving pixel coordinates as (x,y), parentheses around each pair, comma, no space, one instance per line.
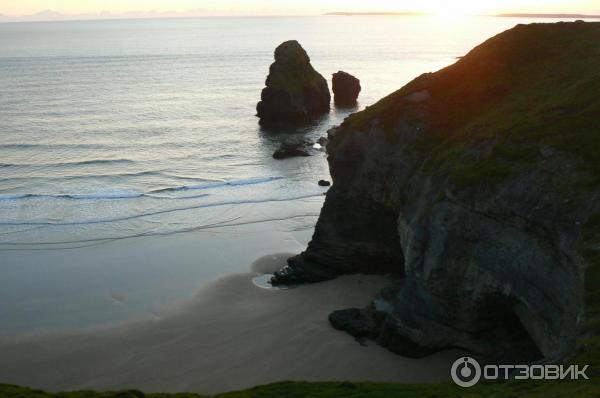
(77,7)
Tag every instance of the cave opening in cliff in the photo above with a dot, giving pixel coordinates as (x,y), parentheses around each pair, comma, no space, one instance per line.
(500,324)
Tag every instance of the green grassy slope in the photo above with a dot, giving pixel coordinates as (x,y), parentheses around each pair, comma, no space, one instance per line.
(532,85)
(580,389)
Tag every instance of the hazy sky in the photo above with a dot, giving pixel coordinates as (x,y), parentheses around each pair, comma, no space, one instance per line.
(23,7)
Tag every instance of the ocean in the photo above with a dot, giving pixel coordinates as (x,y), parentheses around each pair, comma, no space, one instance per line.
(132,166)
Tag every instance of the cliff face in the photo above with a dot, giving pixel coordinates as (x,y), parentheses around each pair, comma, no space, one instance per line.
(471,185)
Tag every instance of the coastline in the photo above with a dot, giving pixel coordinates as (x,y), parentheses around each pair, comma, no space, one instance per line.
(46,290)
(232,335)
(490,243)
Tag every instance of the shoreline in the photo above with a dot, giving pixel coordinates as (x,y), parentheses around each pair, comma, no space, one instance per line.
(82,289)
(231,335)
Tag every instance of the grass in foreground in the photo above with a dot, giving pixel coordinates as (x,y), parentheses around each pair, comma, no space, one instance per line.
(524,389)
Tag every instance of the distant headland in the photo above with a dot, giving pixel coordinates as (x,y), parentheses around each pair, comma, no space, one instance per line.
(514,15)
(548,16)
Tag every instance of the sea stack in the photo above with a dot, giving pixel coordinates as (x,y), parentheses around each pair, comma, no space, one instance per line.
(295,92)
(345,88)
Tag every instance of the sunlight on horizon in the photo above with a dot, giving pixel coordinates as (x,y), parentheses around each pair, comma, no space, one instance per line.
(444,8)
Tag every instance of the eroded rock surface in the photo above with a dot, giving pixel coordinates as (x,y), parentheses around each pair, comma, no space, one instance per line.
(471,200)
(295,92)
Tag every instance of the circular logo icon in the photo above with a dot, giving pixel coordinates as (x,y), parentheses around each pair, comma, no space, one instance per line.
(465,372)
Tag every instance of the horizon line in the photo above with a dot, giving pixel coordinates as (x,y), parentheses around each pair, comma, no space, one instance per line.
(135,15)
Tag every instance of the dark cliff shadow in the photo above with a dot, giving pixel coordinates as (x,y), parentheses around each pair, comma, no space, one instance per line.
(275,135)
(272,136)
(346,109)
(313,129)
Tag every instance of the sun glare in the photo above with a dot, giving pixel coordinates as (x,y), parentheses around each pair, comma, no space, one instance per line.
(453,10)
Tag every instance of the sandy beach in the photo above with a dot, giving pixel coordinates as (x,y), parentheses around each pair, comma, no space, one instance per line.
(232,335)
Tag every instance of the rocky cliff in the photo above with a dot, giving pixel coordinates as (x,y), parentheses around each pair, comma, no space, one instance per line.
(472,186)
(295,92)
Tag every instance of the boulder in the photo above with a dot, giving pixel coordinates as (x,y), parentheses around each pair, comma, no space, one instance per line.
(353,321)
(295,92)
(324,183)
(345,88)
(291,151)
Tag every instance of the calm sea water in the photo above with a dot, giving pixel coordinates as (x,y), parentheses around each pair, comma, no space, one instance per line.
(115,130)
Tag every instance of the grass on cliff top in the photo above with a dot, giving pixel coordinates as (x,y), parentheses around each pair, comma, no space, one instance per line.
(530,86)
(580,389)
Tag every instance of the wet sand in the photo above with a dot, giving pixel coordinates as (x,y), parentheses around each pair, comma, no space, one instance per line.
(232,335)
